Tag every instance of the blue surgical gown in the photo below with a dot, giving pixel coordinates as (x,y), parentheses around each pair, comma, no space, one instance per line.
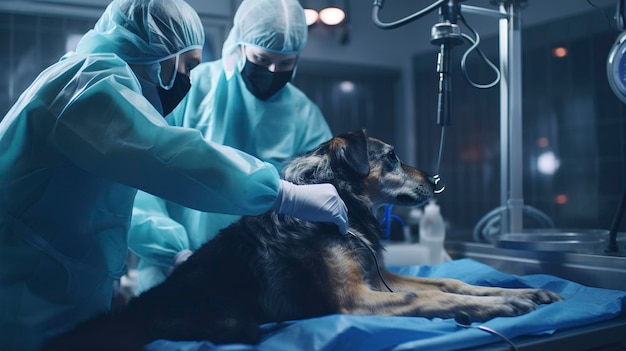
(273,130)
(73,149)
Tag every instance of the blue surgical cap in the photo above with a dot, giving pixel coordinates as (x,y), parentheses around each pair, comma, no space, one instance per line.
(144,31)
(275,25)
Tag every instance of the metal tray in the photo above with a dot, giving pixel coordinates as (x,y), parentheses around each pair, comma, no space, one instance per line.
(562,240)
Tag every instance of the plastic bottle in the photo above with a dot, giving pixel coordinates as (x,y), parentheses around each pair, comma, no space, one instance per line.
(433,232)
(413,224)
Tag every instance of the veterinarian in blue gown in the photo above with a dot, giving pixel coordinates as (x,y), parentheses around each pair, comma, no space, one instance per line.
(78,143)
(245,101)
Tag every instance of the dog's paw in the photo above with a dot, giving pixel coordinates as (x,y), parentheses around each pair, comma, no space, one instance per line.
(484,308)
(501,306)
(513,303)
(539,296)
(514,306)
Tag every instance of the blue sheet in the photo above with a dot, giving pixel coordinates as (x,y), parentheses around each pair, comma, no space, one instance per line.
(582,305)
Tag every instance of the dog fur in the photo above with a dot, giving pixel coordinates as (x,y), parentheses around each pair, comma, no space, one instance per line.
(273,268)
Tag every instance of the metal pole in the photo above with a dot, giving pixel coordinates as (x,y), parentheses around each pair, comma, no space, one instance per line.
(511,156)
(504,116)
(516,144)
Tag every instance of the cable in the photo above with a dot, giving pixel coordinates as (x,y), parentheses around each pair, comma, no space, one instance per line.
(512,346)
(386,221)
(436,179)
(441,139)
(378,4)
(380,275)
(612,246)
(606,15)
(619,15)
(493,217)
(473,47)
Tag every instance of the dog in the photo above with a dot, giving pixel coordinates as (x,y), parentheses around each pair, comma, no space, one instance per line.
(273,268)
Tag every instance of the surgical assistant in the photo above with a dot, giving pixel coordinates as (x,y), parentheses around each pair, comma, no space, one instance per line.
(82,138)
(244,101)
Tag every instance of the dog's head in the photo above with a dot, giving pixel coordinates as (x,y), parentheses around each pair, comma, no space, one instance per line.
(362,166)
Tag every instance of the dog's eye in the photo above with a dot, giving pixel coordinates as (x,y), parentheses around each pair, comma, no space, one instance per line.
(392,155)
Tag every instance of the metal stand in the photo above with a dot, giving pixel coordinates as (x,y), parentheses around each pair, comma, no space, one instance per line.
(612,246)
(446,33)
(511,143)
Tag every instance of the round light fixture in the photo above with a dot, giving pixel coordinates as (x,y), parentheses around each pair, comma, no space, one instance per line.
(311,16)
(332,16)
(346,86)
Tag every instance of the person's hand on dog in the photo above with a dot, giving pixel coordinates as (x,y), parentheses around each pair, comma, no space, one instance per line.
(312,202)
(182,256)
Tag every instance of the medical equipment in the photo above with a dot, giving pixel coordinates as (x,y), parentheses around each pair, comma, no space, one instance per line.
(446,33)
(616,73)
(616,67)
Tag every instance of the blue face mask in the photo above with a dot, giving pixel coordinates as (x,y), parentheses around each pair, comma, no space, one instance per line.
(172,97)
(263,83)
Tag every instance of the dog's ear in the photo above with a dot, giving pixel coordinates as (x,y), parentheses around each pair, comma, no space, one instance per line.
(349,154)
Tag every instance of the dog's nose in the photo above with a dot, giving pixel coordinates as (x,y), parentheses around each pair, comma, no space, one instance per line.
(439,185)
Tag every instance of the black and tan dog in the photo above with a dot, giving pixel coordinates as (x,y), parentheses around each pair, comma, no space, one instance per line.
(273,268)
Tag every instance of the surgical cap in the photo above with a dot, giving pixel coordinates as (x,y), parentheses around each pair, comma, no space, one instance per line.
(144,31)
(275,25)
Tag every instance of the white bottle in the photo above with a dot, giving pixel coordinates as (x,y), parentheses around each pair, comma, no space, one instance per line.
(433,233)
(413,224)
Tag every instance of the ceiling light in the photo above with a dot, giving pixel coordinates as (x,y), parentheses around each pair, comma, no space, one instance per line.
(332,16)
(311,16)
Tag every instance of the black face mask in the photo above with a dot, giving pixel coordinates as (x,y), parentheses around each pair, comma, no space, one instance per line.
(263,83)
(171,98)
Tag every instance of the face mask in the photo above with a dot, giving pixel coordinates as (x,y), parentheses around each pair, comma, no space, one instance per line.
(154,72)
(171,98)
(263,83)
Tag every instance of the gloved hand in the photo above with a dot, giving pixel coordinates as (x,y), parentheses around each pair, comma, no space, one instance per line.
(181,257)
(312,202)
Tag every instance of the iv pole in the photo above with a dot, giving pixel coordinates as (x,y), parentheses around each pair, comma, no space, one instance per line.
(511,166)
(511,111)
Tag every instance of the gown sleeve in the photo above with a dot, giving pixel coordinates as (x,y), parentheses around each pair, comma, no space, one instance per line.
(105,126)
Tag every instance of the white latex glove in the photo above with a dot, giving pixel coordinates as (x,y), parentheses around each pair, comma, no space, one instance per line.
(312,202)
(181,257)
